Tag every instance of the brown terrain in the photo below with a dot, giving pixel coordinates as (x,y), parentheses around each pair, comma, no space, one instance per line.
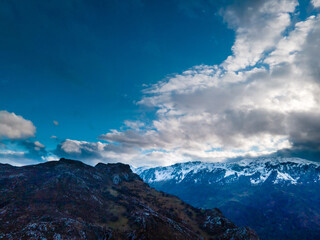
(68,199)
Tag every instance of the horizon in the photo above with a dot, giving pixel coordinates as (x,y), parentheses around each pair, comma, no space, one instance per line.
(159,83)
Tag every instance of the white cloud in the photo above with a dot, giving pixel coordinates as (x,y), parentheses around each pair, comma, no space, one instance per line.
(50,157)
(134,124)
(259,26)
(70,146)
(263,98)
(13,126)
(38,145)
(289,46)
(16,158)
(316,3)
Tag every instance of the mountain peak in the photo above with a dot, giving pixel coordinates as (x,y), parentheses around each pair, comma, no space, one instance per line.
(70,161)
(114,167)
(68,199)
(252,192)
(257,171)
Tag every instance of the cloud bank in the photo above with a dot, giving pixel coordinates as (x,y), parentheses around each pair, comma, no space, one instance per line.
(263,99)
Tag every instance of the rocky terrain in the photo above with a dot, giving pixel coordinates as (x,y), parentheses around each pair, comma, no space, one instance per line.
(67,199)
(278,197)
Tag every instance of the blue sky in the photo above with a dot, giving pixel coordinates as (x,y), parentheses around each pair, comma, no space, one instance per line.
(127,80)
(83,63)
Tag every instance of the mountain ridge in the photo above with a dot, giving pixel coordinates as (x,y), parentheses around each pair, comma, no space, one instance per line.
(68,199)
(278,197)
(245,167)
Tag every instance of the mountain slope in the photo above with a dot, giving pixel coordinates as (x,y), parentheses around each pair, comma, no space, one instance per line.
(67,199)
(278,197)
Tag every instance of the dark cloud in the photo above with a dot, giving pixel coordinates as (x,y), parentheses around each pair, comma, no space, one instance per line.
(305,131)
(304,136)
(35,150)
(309,57)
(252,122)
(304,153)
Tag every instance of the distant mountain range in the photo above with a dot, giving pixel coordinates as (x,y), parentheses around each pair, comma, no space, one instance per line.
(67,199)
(278,197)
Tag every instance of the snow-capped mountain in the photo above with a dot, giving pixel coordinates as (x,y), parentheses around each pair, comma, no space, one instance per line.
(257,171)
(278,197)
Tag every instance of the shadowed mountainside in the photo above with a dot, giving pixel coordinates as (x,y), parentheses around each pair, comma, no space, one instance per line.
(67,199)
(278,197)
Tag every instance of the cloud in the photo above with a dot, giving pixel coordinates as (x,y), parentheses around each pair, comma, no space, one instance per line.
(13,126)
(259,26)
(22,152)
(31,154)
(56,123)
(81,150)
(134,124)
(94,152)
(34,149)
(16,146)
(305,130)
(15,158)
(316,3)
(263,99)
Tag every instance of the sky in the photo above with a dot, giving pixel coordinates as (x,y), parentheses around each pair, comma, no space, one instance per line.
(153,83)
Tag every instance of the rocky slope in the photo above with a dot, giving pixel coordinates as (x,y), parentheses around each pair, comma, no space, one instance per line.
(278,197)
(67,199)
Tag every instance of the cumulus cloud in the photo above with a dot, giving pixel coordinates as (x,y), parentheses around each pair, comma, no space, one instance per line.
(16,146)
(13,126)
(262,99)
(94,152)
(81,150)
(316,3)
(259,26)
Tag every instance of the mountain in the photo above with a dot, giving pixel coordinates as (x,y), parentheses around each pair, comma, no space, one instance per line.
(278,197)
(68,199)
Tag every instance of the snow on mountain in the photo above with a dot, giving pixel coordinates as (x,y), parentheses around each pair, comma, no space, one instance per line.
(278,197)
(278,170)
